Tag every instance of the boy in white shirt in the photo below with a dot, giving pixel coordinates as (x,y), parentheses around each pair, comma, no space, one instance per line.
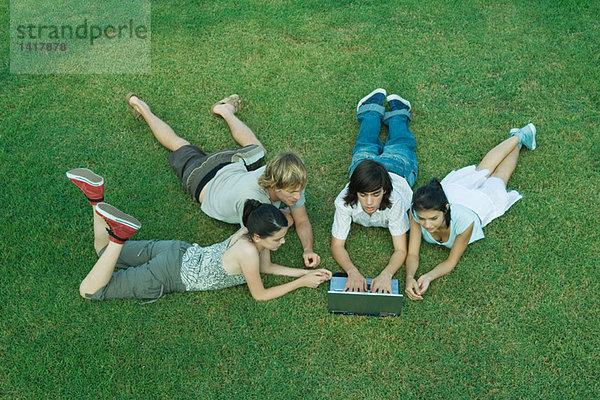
(379,192)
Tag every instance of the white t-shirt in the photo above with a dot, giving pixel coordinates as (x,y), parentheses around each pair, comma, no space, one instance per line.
(461,218)
(227,192)
(395,218)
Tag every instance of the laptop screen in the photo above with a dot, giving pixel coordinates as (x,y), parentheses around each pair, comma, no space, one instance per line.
(363,303)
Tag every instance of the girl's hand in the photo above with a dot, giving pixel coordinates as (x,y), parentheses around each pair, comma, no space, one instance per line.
(314,278)
(412,289)
(326,272)
(423,282)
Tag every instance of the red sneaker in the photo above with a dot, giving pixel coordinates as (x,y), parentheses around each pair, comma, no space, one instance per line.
(91,184)
(121,225)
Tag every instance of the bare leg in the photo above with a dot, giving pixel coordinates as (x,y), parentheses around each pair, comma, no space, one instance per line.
(494,157)
(507,166)
(161,130)
(100,233)
(102,271)
(240,132)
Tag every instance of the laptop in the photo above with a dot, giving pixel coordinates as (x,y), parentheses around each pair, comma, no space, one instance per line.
(363,303)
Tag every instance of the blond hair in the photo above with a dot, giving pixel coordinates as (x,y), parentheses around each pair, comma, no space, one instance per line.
(286,172)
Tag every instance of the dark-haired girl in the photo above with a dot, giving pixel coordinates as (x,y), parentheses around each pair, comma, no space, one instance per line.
(379,191)
(153,268)
(452,212)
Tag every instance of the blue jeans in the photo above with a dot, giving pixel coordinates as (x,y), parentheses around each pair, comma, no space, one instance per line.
(398,152)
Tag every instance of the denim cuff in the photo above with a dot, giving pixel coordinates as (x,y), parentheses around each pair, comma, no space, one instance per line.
(391,114)
(379,109)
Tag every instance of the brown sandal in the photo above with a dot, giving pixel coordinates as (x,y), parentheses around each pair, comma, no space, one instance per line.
(136,113)
(235,100)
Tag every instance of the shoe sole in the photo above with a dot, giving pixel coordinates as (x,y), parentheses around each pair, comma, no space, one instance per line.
(533,143)
(361,101)
(116,215)
(400,99)
(85,175)
(136,113)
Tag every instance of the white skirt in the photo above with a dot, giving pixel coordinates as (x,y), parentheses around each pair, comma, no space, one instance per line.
(486,196)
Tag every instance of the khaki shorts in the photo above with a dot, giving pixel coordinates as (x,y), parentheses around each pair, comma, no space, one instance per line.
(148,269)
(195,168)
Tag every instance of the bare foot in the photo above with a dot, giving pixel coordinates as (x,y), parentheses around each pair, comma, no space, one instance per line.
(139,105)
(222,109)
(228,106)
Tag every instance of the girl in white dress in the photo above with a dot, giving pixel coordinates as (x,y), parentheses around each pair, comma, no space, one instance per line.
(453,212)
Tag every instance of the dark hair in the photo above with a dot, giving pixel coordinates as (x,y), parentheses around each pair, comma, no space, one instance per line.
(369,176)
(262,219)
(431,197)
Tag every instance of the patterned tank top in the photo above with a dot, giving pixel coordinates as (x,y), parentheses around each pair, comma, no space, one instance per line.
(202,268)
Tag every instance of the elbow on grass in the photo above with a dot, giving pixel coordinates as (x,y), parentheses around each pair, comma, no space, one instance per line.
(261,297)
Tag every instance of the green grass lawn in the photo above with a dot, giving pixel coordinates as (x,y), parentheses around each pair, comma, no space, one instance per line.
(518,318)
